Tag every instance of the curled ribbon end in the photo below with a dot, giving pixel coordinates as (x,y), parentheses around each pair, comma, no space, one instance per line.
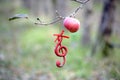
(58,64)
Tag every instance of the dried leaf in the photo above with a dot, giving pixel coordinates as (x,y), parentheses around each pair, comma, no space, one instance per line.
(18,16)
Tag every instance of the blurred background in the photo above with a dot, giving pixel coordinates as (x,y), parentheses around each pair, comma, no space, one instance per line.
(27,50)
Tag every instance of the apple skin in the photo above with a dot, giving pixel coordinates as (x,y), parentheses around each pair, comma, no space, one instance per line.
(71,24)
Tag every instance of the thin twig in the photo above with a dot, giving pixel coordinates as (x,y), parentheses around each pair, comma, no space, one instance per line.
(57,14)
(73,14)
(58,17)
(42,23)
(81,1)
(80,7)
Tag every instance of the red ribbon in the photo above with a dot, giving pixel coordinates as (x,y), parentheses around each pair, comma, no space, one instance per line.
(60,50)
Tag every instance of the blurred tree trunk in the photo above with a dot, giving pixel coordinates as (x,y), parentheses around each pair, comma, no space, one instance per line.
(39,7)
(61,7)
(34,7)
(27,3)
(105,28)
(46,7)
(87,23)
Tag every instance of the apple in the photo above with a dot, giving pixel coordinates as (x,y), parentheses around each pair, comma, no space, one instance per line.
(71,24)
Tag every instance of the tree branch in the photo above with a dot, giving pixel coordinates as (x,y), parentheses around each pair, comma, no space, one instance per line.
(58,17)
(81,1)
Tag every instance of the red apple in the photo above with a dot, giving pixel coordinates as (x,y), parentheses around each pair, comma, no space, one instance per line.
(71,24)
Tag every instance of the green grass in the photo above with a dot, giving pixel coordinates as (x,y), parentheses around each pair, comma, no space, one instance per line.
(36,45)
(37,52)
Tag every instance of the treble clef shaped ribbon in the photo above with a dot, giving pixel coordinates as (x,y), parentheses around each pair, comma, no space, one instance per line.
(60,50)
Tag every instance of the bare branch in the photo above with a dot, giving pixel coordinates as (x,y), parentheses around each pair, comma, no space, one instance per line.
(57,14)
(58,17)
(73,14)
(81,1)
(42,23)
